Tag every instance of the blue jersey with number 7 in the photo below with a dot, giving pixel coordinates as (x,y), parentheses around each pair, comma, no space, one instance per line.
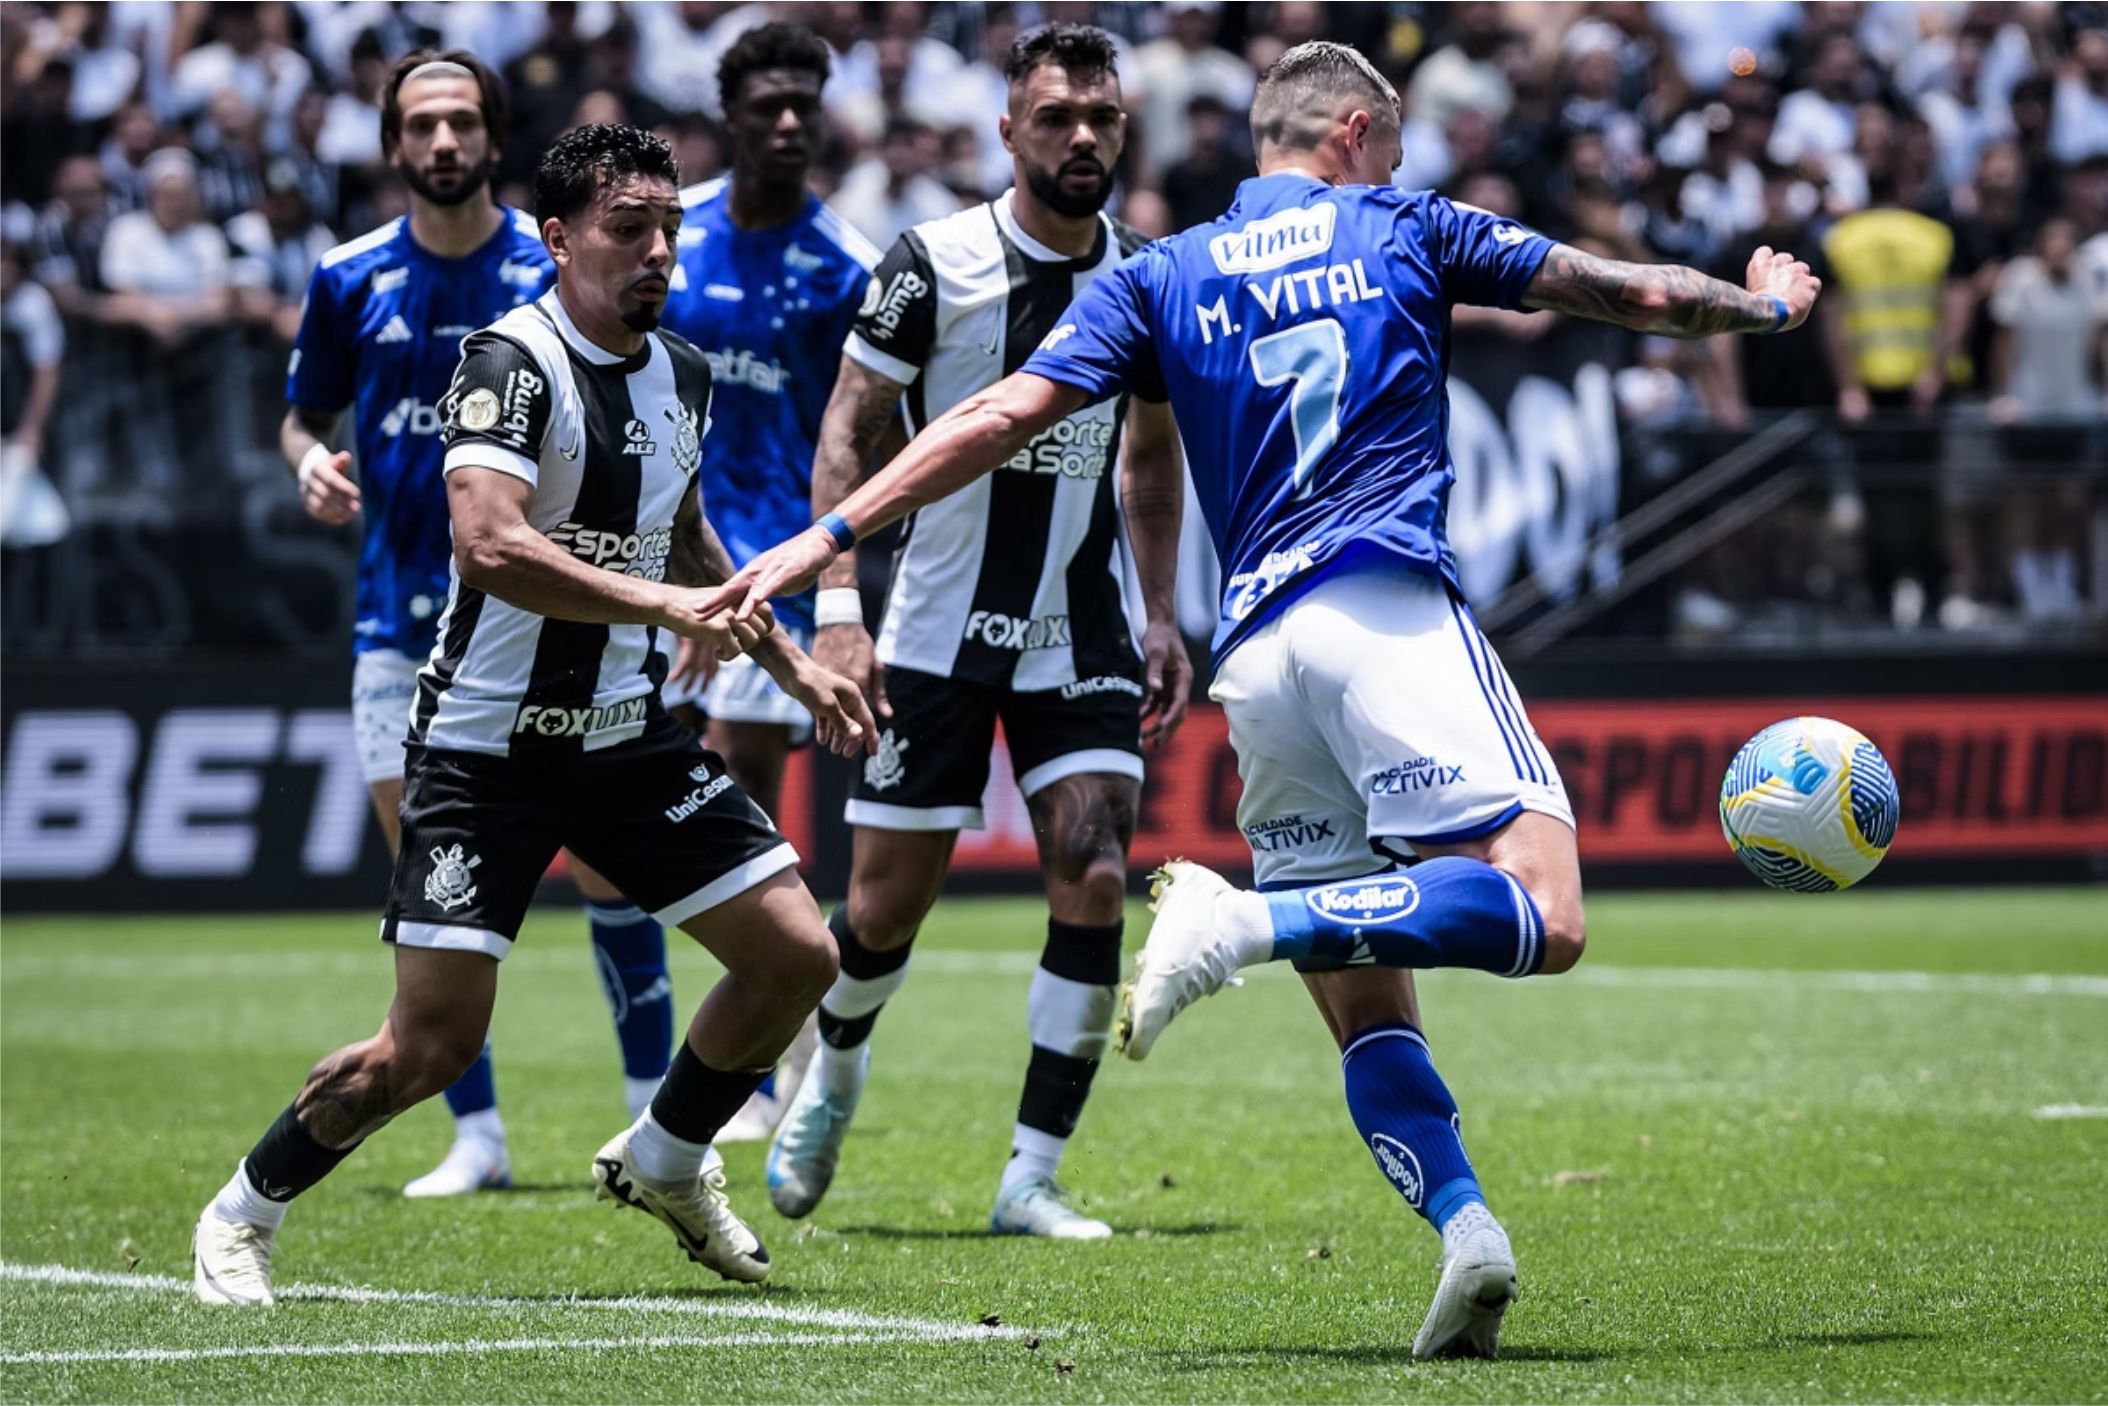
(1303,342)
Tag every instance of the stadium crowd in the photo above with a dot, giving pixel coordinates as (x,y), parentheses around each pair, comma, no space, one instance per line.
(173,170)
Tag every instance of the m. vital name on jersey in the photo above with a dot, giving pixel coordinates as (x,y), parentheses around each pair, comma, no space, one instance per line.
(1304,290)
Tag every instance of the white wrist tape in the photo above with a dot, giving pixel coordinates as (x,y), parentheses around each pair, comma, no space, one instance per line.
(838,605)
(317,455)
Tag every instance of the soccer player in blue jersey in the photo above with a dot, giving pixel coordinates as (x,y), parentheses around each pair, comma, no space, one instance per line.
(767,286)
(1302,342)
(381,334)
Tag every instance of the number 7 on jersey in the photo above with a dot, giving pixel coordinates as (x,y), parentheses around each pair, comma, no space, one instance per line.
(1313,357)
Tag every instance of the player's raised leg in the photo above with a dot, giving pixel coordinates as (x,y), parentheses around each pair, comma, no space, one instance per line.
(1084,824)
(895,877)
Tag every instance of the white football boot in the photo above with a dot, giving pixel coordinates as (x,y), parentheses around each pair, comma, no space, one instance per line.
(1478,1284)
(757,1118)
(808,1143)
(1184,958)
(472,1164)
(230,1262)
(1041,1207)
(697,1213)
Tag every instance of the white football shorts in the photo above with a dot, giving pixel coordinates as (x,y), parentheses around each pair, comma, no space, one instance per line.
(741,691)
(383,686)
(1371,713)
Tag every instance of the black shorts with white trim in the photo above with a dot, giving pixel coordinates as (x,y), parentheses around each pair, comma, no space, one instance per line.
(658,817)
(933,752)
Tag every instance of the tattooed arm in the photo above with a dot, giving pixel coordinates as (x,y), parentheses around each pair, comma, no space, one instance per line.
(1670,300)
(860,428)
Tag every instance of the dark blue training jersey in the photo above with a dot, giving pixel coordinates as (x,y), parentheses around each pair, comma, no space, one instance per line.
(770,309)
(381,332)
(1303,341)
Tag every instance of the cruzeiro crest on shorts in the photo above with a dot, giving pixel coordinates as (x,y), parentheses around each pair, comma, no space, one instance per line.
(449,884)
(883,769)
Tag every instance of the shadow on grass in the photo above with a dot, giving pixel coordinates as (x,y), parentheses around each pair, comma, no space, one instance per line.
(895,1232)
(1366,1355)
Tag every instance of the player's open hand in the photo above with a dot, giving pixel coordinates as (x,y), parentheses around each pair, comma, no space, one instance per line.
(841,719)
(1786,278)
(1168,676)
(783,570)
(326,487)
(847,650)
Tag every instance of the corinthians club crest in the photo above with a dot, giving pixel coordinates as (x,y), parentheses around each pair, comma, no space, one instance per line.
(687,439)
(883,769)
(449,884)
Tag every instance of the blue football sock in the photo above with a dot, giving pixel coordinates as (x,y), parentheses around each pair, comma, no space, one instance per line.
(1447,912)
(631,951)
(1408,1119)
(476,1091)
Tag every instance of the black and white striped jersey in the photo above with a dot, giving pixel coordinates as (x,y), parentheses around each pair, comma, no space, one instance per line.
(1016,579)
(611,445)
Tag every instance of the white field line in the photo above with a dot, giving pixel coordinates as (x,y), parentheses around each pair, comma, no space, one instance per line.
(954,962)
(848,1320)
(449,1349)
(2072,1110)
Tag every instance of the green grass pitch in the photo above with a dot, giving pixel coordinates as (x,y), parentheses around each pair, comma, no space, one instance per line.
(1759,1148)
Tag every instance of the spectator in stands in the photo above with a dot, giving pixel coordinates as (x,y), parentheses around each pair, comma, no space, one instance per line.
(243,58)
(32,345)
(276,247)
(545,82)
(2029,112)
(1894,311)
(134,136)
(2079,120)
(351,126)
(1466,73)
(231,157)
(1964,115)
(1817,123)
(1169,73)
(612,64)
(2050,328)
(1765,374)
(981,95)
(167,266)
(903,71)
(1203,183)
(67,245)
(887,194)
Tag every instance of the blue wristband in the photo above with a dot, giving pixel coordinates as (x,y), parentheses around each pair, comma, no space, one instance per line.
(1785,314)
(837,527)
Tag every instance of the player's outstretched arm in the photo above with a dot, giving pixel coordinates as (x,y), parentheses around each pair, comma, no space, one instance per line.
(972,438)
(1153,498)
(497,551)
(1670,300)
(842,720)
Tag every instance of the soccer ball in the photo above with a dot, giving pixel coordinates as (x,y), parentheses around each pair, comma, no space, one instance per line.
(1809,805)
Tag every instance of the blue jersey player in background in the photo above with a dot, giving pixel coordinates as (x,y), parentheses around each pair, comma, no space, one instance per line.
(767,285)
(1400,809)
(381,335)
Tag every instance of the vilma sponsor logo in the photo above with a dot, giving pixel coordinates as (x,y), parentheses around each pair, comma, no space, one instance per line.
(1365,903)
(1276,240)
(1414,774)
(1017,632)
(1288,832)
(579,722)
(1104,683)
(1399,1164)
(449,885)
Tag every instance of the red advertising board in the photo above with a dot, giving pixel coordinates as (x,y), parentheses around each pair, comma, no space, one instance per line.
(1979,776)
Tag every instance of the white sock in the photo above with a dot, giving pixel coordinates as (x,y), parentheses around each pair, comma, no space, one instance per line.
(1471,1216)
(484,1127)
(840,1071)
(239,1202)
(658,1155)
(1034,1156)
(1243,920)
(637,1093)
(851,997)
